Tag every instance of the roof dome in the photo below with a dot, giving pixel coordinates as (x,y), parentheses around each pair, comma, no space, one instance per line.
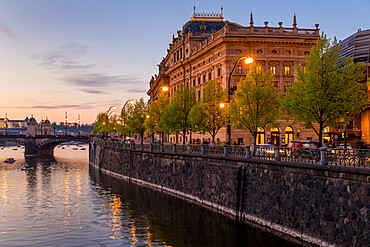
(32,120)
(47,121)
(206,22)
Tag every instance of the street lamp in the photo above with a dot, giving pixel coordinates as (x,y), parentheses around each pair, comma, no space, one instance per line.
(132,102)
(248,60)
(78,124)
(6,123)
(107,114)
(165,88)
(66,122)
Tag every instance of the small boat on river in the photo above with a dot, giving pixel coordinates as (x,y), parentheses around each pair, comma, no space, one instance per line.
(83,148)
(27,168)
(9,160)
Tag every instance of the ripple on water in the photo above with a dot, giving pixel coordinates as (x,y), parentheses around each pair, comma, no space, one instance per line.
(63,203)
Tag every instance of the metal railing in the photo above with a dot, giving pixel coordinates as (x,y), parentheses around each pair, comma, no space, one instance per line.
(323,156)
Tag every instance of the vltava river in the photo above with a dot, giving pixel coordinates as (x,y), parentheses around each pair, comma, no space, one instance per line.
(64,203)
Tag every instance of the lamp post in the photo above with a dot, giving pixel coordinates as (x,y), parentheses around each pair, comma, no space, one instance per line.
(6,123)
(107,114)
(78,125)
(131,101)
(66,122)
(248,60)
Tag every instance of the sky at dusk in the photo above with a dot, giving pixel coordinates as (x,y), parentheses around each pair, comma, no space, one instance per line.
(83,56)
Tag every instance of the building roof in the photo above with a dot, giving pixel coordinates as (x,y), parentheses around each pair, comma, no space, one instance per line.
(32,120)
(357,46)
(205,22)
(46,121)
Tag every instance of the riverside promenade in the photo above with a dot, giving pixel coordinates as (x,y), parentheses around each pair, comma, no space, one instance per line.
(313,199)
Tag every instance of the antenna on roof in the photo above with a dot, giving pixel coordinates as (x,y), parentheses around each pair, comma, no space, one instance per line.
(222,10)
(194,7)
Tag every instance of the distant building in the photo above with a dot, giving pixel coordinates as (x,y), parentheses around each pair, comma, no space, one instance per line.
(358,46)
(13,124)
(207,47)
(46,127)
(32,127)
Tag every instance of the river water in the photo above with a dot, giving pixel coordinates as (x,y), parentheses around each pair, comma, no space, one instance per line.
(63,202)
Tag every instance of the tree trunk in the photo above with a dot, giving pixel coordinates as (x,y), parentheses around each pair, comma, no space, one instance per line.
(183,136)
(254,134)
(320,135)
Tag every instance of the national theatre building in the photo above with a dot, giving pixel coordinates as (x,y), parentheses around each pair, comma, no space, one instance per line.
(207,47)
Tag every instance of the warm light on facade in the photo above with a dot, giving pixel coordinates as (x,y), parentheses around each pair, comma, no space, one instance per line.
(249,60)
(165,89)
(287,70)
(222,105)
(147,116)
(273,70)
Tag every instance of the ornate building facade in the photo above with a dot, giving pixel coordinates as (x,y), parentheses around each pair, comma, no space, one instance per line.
(207,47)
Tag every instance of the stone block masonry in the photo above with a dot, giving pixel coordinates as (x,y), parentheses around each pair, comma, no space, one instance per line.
(318,204)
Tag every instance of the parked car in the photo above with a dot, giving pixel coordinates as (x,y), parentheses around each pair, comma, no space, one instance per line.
(263,150)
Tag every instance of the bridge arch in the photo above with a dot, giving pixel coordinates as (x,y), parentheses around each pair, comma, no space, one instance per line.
(41,145)
(46,147)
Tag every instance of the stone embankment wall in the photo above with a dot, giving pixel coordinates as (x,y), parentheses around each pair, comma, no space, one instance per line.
(318,204)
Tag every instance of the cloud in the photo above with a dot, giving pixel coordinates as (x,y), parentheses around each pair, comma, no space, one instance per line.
(51,107)
(65,57)
(7,30)
(99,80)
(86,90)
(136,90)
(65,62)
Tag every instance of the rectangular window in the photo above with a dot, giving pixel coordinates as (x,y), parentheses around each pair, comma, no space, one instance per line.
(199,95)
(218,72)
(180,53)
(287,70)
(204,78)
(198,80)
(194,83)
(276,85)
(209,76)
(239,71)
(273,70)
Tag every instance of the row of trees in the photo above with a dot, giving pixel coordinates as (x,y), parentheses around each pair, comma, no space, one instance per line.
(326,92)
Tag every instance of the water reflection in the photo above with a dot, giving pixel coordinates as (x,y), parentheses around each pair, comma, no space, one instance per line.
(175,222)
(61,202)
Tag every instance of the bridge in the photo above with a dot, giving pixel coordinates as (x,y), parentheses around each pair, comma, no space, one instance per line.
(41,144)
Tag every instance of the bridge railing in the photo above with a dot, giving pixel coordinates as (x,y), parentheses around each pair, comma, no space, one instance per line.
(323,156)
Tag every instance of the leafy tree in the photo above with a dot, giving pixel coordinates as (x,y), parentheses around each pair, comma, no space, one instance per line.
(175,117)
(135,121)
(327,89)
(153,124)
(104,124)
(206,115)
(256,101)
(126,113)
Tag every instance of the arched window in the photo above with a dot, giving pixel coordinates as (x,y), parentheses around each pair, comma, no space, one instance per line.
(275,136)
(289,134)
